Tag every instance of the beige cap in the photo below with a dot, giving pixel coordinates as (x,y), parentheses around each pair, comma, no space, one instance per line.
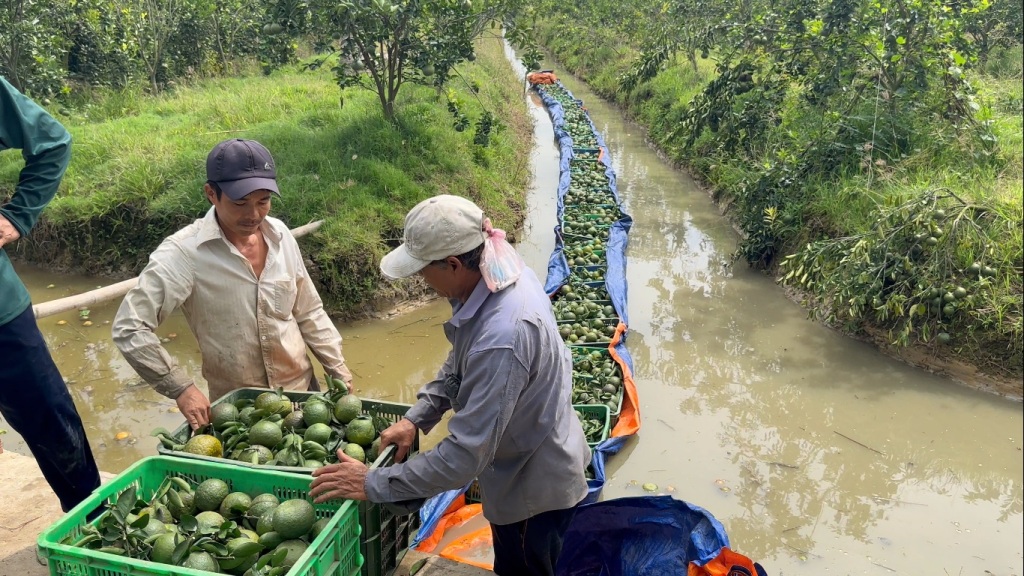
(435,229)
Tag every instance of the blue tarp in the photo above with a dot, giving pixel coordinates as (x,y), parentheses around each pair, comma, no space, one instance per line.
(639,536)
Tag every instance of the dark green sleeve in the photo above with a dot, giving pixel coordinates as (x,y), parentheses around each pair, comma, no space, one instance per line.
(46,147)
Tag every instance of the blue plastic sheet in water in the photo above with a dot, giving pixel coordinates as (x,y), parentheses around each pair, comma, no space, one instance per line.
(639,536)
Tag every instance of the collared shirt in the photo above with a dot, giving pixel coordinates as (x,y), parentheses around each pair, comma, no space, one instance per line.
(46,147)
(508,379)
(251,331)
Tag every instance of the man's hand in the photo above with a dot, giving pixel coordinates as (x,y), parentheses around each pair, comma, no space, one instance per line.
(8,233)
(342,480)
(194,406)
(401,434)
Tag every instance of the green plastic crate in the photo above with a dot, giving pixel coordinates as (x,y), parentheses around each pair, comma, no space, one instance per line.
(599,412)
(386,535)
(389,411)
(334,553)
(586,350)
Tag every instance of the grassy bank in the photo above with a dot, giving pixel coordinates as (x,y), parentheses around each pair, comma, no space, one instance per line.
(919,250)
(139,165)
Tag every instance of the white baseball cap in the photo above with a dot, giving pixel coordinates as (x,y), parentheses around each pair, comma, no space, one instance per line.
(435,229)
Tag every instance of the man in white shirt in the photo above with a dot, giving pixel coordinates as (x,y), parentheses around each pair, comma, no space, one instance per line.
(239,277)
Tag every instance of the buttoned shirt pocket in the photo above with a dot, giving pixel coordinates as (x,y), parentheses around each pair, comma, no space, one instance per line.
(282,298)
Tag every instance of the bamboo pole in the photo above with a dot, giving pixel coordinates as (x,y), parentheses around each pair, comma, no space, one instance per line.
(107,293)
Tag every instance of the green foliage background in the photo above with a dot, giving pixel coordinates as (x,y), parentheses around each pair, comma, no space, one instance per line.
(138,167)
(869,150)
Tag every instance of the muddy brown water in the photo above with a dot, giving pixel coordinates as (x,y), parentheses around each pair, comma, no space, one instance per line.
(818,454)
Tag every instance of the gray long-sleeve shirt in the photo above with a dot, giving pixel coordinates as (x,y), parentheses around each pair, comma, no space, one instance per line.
(508,379)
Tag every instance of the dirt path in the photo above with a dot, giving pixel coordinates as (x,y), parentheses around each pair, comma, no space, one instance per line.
(27,507)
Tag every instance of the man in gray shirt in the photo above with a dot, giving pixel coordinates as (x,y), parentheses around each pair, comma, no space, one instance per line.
(508,379)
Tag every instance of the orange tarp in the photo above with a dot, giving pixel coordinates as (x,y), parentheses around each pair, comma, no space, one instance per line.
(541,78)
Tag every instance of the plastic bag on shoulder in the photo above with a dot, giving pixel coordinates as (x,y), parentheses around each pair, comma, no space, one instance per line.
(500,263)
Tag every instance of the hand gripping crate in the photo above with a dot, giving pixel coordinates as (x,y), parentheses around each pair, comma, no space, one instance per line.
(386,534)
(335,552)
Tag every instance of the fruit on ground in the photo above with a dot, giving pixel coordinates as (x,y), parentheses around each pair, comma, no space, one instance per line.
(293,518)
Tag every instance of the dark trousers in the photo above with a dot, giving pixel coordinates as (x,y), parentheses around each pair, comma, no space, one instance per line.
(36,402)
(530,547)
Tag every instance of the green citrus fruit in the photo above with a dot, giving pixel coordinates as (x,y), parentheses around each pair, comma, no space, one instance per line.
(293,518)
(361,431)
(271,540)
(163,547)
(209,520)
(210,493)
(265,433)
(261,452)
(187,505)
(265,523)
(295,550)
(316,413)
(348,408)
(318,527)
(293,420)
(319,433)
(204,445)
(235,504)
(355,451)
(202,561)
(265,400)
(221,414)
(265,497)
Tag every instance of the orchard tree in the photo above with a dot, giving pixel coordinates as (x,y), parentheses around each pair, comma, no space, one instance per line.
(382,44)
(151,25)
(31,46)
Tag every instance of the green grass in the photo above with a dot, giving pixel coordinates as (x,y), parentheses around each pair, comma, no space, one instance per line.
(138,167)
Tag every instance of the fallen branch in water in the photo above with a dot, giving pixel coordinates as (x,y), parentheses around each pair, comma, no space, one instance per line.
(859,444)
